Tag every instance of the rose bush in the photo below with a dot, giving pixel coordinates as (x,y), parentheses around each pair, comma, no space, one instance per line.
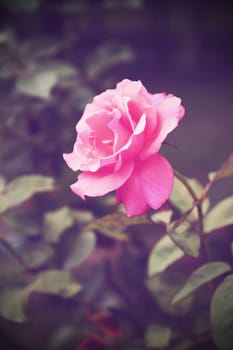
(118,139)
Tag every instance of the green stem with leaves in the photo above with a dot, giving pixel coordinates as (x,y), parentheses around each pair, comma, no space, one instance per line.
(204,245)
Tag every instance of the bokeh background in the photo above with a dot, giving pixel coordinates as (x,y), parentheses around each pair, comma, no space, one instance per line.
(87,46)
(56,55)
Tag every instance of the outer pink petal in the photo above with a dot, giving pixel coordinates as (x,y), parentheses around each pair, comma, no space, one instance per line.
(132,89)
(169,113)
(72,159)
(101,182)
(156,176)
(150,185)
(130,194)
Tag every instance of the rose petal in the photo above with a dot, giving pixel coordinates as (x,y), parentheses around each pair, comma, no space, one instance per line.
(77,160)
(149,186)
(169,113)
(121,132)
(72,160)
(133,89)
(157,179)
(131,148)
(156,99)
(130,194)
(102,181)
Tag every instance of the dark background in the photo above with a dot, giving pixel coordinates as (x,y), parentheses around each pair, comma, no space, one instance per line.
(177,46)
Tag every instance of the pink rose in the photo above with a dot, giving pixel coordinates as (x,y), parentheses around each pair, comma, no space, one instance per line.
(118,139)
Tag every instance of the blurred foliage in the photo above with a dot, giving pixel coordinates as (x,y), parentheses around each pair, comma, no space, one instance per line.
(75,278)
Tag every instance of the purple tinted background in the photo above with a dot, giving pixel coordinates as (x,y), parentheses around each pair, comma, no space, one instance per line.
(182,48)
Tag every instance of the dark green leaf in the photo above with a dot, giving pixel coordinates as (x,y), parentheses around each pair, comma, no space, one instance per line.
(111,224)
(162,217)
(201,276)
(41,81)
(10,268)
(185,237)
(164,253)
(182,199)
(81,249)
(221,314)
(157,336)
(12,303)
(21,224)
(57,282)
(164,287)
(2,184)
(219,216)
(226,170)
(36,254)
(22,188)
(39,85)
(119,219)
(82,216)
(56,222)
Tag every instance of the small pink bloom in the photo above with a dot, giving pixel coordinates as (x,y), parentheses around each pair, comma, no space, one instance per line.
(118,139)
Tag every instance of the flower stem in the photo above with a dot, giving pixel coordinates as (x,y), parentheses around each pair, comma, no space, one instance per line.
(204,246)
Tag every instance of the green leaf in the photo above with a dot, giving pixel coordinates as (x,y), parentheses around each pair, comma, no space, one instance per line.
(157,336)
(41,81)
(111,224)
(2,183)
(182,199)
(185,237)
(12,304)
(11,270)
(119,219)
(164,287)
(219,216)
(162,217)
(56,222)
(221,314)
(36,254)
(38,85)
(22,188)
(21,224)
(56,282)
(226,170)
(164,253)
(114,234)
(81,249)
(201,276)
(82,216)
